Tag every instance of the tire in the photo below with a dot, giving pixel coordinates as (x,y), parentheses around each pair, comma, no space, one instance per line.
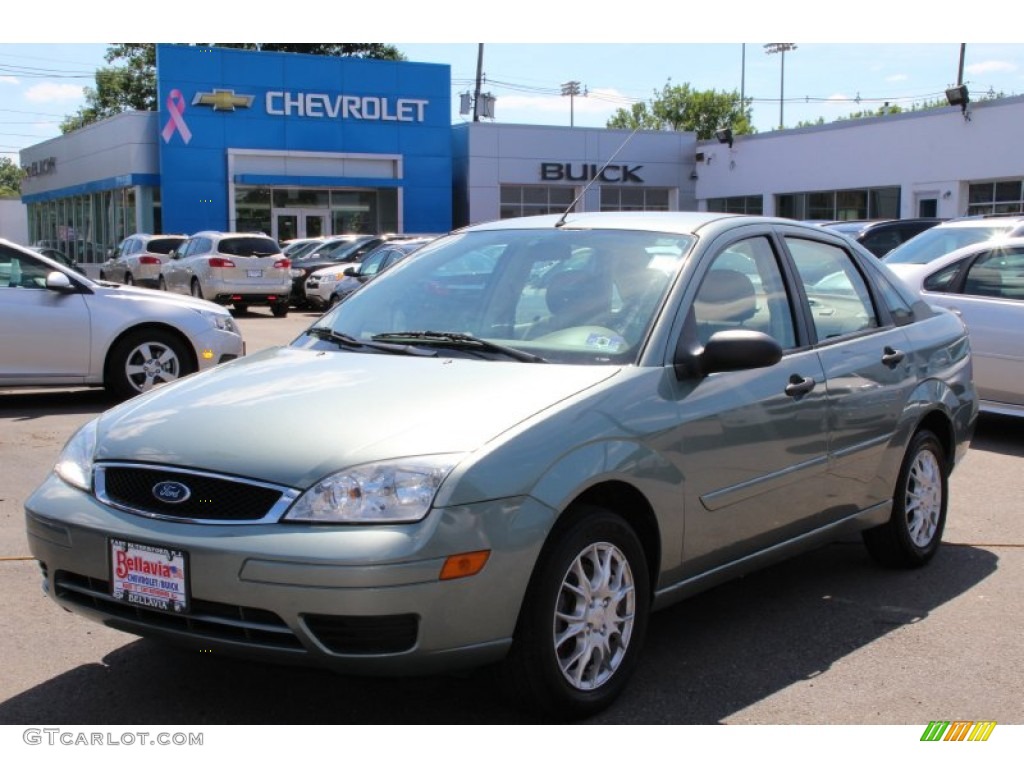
(197,289)
(144,359)
(128,279)
(241,307)
(596,571)
(280,309)
(913,534)
(103,275)
(161,283)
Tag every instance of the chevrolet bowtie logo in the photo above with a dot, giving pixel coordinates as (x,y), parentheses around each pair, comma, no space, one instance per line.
(222,100)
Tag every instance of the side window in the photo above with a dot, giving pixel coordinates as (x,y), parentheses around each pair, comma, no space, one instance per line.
(18,270)
(939,282)
(839,299)
(743,288)
(999,274)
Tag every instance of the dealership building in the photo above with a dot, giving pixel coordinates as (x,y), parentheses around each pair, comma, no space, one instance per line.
(296,146)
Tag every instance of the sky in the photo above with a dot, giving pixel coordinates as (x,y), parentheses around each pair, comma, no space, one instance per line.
(616,61)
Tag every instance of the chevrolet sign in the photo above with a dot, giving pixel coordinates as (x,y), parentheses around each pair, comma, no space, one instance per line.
(222,100)
(287,104)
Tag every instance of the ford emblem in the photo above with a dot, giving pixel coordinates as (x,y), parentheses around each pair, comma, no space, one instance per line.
(171,492)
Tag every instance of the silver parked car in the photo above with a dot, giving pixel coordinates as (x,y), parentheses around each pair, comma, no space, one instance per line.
(138,259)
(573,421)
(237,268)
(984,285)
(58,327)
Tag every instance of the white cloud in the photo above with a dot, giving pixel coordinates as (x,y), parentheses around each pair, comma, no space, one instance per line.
(45,92)
(987,67)
(8,80)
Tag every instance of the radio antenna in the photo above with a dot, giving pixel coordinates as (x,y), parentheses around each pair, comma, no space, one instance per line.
(561,221)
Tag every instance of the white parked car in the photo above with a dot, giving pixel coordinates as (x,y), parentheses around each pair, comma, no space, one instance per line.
(59,328)
(138,259)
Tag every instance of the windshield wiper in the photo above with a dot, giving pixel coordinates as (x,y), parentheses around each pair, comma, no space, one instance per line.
(350,342)
(454,339)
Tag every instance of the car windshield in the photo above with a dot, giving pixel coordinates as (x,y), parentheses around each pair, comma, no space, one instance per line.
(564,296)
(938,241)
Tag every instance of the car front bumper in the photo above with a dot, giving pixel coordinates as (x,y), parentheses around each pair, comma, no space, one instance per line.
(360,599)
(216,346)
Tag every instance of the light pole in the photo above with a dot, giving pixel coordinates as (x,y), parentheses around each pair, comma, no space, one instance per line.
(780,48)
(572,90)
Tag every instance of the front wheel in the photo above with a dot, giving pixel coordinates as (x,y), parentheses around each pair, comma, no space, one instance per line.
(280,309)
(144,359)
(583,620)
(914,531)
(161,284)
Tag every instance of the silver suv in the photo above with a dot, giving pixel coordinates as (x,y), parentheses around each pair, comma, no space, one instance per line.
(237,268)
(139,257)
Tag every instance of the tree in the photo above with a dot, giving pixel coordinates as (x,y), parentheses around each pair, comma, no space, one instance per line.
(10,178)
(680,108)
(131,83)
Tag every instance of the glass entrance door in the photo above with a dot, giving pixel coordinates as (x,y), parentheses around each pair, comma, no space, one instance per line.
(290,223)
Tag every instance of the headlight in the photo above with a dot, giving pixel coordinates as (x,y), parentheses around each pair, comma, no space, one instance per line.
(398,491)
(223,322)
(74,465)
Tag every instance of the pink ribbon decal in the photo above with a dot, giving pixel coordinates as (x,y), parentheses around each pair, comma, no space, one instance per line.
(176,106)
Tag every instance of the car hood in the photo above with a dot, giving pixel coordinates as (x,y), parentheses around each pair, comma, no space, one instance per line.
(131,293)
(292,416)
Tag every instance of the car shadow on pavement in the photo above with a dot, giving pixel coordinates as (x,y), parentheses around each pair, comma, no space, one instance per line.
(705,659)
(999,434)
(22,404)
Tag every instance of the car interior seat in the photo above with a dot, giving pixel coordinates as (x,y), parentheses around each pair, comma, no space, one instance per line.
(726,299)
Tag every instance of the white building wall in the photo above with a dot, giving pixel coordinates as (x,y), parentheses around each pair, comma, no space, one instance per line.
(14,221)
(929,153)
(492,154)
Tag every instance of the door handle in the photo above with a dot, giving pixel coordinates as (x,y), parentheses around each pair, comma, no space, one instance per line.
(799,386)
(892,357)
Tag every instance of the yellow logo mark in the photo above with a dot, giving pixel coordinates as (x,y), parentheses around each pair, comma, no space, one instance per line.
(222,100)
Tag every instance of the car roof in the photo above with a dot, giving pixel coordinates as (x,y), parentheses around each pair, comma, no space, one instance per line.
(674,222)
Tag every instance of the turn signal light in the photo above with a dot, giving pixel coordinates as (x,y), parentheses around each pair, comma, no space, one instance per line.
(464,564)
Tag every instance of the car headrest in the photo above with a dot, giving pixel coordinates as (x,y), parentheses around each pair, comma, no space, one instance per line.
(725,296)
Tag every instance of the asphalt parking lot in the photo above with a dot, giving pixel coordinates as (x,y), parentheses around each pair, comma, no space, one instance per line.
(826,638)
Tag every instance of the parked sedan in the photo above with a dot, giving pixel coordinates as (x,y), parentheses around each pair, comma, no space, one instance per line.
(881,236)
(58,327)
(670,412)
(983,284)
(138,259)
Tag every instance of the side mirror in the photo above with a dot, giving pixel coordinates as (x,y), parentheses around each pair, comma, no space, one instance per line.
(350,272)
(58,281)
(733,350)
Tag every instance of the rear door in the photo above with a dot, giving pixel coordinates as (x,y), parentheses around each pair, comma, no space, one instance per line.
(252,264)
(867,361)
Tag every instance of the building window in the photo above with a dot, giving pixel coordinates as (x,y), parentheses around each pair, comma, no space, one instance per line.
(750,204)
(840,204)
(995,197)
(634,199)
(520,200)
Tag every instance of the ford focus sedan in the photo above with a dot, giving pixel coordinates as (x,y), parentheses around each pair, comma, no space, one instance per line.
(564,423)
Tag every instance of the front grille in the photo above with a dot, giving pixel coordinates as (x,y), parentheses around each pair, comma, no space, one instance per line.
(364,634)
(217,621)
(211,497)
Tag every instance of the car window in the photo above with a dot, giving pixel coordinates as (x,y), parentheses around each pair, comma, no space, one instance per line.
(998,273)
(846,306)
(940,240)
(743,288)
(163,245)
(19,270)
(248,246)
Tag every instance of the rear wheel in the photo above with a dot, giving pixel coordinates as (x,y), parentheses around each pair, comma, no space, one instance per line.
(583,619)
(161,283)
(128,279)
(280,309)
(913,534)
(144,359)
(197,290)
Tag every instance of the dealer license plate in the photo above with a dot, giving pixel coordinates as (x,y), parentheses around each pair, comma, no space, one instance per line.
(148,576)
(255,273)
